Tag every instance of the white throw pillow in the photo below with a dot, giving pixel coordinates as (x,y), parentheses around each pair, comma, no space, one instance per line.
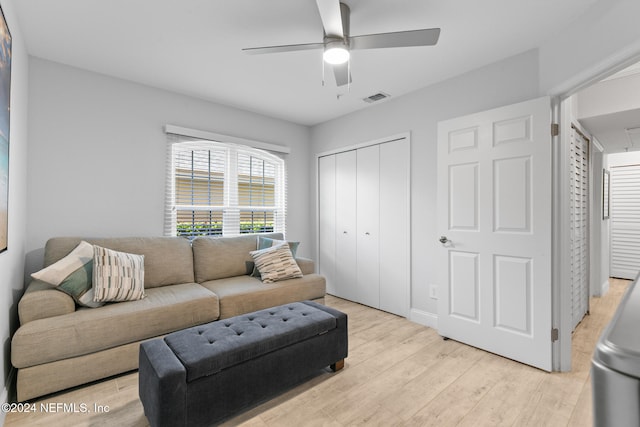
(73,275)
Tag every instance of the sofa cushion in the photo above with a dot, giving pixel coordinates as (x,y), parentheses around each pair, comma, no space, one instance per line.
(117,276)
(307,266)
(244,294)
(222,257)
(167,260)
(87,330)
(276,263)
(73,275)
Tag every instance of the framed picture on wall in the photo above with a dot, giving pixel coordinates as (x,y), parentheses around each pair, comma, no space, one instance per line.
(5,96)
(605,194)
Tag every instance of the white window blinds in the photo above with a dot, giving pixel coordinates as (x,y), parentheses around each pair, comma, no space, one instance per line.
(222,189)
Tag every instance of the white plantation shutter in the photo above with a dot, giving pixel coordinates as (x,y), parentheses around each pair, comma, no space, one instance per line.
(222,189)
(625,221)
(579,224)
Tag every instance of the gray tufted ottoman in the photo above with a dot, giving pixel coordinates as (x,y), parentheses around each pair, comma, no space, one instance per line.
(205,374)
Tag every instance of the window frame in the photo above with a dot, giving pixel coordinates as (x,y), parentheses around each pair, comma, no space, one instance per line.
(231,209)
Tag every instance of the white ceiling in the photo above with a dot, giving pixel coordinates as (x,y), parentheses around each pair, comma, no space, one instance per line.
(619,129)
(194,46)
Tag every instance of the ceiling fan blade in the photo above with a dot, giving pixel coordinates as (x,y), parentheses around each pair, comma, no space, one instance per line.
(341,73)
(283,48)
(331,17)
(427,37)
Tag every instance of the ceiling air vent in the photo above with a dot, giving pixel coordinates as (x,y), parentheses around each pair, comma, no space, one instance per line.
(376,97)
(633,135)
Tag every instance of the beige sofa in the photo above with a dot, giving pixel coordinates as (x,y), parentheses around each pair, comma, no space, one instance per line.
(60,345)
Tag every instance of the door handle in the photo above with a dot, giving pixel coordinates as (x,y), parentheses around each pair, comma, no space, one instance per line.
(443,239)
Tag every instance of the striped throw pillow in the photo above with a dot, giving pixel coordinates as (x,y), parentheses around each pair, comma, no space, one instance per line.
(266,242)
(117,276)
(72,275)
(276,263)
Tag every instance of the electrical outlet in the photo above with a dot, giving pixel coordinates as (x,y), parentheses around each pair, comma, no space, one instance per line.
(433,291)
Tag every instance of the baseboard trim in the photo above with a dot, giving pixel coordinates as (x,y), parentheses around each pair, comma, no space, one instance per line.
(424,318)
(604,288)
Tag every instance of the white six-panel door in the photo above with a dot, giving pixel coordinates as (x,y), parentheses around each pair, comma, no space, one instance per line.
(494,215)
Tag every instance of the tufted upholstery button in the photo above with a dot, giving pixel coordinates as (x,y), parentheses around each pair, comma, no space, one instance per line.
(287,324)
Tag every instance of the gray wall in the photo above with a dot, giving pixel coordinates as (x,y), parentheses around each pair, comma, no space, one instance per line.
(12,261)
(97,154)
(509,81)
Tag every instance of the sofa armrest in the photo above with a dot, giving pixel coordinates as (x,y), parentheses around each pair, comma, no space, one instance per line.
(41,300)
(307,266)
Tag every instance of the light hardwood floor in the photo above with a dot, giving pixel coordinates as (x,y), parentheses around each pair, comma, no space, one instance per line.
(397,373)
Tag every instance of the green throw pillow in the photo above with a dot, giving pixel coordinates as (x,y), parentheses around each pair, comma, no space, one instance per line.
(73,275)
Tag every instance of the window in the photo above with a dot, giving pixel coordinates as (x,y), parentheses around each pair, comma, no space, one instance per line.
(222,189)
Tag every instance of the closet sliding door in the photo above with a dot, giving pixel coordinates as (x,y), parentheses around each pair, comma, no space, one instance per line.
(368,220)
(346,242)
(395,226)
(364,225)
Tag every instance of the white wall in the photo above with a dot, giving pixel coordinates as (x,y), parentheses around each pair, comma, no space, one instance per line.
(599,245)
(609,96)
(509,81)
(97,155)
(624,159)
(12,261)
(607,35)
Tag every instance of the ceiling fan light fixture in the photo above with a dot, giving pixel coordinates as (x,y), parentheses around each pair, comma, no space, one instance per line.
(335,53)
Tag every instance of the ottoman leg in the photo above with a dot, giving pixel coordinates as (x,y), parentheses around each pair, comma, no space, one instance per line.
(337,366)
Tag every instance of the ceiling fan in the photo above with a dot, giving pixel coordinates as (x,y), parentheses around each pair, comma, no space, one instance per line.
(337,42)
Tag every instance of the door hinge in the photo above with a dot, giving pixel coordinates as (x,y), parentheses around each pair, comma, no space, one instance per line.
(554,334)
(555,129)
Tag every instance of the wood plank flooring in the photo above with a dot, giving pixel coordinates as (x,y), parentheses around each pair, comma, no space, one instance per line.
(398,373)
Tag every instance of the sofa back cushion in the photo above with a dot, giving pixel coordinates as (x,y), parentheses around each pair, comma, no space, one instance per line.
(222,257)
(167,260)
